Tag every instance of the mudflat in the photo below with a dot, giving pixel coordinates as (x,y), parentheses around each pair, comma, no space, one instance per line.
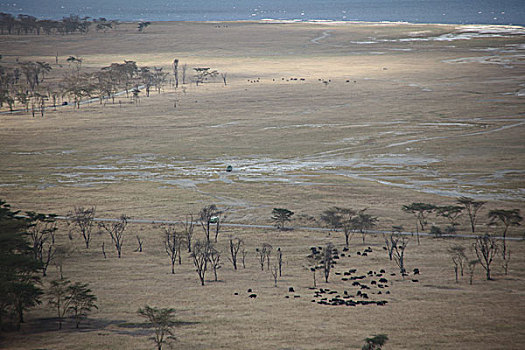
(312,115)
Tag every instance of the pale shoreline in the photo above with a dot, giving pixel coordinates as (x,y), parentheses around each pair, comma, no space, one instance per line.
(337,23)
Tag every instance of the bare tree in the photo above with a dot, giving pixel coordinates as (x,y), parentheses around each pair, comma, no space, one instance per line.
(201,256)
(235,246)
(280,261)
(82,219)
(315,280)
(184,72)
(243,256)
(457,253)
(486,249)
(215,260)
(207,216)
(188,230)
(41,230)
(401,243)
(217,220)
(314,260)
(472,208)
(62,253)
(391,240)
(173,241)
(275,273)
(116,232)
(471,267)
(268,249)
(263,254)
(224,76)
(176,72)
(140,242)
(328,260)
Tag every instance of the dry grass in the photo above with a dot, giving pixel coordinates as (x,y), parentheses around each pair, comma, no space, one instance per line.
(411,128)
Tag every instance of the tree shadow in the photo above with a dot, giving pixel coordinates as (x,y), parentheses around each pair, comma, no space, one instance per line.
(121,327)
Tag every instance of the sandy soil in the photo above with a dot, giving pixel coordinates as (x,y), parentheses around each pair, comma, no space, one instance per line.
(387,114)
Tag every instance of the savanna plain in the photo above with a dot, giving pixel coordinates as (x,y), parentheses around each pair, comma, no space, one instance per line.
(309,116)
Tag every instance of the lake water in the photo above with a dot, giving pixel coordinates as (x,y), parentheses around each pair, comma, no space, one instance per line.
(416,11)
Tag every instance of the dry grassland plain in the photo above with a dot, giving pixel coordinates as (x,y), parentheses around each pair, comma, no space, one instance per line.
(313,115)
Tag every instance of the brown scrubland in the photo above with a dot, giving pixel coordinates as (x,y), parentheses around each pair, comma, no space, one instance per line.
(309,116)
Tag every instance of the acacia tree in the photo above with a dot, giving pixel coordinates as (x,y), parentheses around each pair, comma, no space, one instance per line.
(78,86)
(364,222)
(421,211)
(80,301)
(472,207)
(162,321)
(18,269)
(116,232)
(281,216)
(340,218)
(375,342)
(486,249)
(507,218)
(58,298)
(202,74)
(143,25)
(82,219)
(173,242)
(451,213)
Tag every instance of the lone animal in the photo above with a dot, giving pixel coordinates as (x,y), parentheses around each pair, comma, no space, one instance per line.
(253,296)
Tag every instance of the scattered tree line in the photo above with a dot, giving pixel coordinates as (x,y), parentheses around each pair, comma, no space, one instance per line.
(29,247)
(26,24)
(24,85)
